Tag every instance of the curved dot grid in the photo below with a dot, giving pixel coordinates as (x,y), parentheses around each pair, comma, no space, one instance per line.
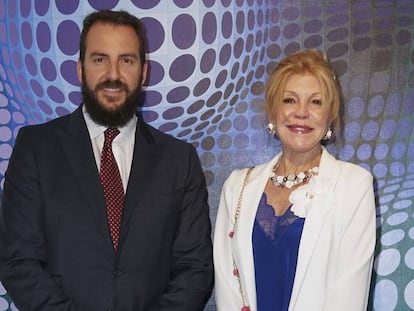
(222,56)
(214,126)
(38,38)
(396,218)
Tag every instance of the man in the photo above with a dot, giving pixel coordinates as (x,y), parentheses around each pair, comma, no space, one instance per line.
(58,248)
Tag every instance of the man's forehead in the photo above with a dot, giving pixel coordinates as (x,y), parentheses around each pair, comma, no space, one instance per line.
(112,35)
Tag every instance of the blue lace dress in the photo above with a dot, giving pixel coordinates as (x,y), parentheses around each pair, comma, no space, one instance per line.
(275,250)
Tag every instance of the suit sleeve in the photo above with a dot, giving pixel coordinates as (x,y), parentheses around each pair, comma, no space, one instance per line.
(192,272)
(355,258)
(22,239)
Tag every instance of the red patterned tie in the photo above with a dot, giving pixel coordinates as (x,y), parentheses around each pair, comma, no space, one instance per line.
(112,186)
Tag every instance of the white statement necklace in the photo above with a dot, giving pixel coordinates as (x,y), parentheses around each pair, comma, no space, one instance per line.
(292,179)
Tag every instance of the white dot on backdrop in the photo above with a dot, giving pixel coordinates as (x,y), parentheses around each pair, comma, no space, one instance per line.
(402,204)
(5,116)
(392,188)
(397,219)
(409,258)
(4,305)
(392,237)
(409,294)
(382,209)
(385,295)
(411,233)
(386,198)
(387,261)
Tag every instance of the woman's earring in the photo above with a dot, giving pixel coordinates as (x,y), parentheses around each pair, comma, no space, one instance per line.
(271,129)
(328,135)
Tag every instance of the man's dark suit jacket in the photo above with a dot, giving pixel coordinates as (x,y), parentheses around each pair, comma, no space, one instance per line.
(55,248)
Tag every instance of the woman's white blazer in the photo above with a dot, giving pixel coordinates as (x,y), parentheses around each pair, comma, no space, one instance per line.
(337,244)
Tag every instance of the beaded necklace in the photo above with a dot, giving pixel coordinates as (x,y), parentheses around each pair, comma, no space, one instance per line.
(292,179)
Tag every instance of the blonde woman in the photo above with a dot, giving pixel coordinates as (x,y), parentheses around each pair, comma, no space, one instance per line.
(297,233)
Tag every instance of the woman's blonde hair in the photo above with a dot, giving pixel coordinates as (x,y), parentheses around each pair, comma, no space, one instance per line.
(306,61)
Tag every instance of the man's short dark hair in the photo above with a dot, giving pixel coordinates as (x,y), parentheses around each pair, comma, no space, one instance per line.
(115,18)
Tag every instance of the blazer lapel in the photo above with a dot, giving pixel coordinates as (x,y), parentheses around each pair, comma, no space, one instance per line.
(314,222)
(310,235)
(243,238)
(77,148)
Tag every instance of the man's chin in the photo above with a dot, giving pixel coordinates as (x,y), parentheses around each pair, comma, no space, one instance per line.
(110,118)
(110,110)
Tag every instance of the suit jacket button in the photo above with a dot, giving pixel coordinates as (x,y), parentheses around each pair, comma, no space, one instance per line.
(118,273)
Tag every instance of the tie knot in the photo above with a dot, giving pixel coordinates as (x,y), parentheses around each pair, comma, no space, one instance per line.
(110,134)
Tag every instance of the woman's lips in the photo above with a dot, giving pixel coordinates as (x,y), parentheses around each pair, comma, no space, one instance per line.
(302,129)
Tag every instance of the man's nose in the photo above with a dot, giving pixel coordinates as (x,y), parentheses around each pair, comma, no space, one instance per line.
(112,72)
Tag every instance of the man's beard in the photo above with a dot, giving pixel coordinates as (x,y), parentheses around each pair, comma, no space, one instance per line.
(117,117)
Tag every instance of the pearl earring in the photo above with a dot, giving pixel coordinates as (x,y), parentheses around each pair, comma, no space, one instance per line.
(328,135)
(271,129)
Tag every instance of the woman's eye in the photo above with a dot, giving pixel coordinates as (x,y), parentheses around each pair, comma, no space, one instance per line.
(288,100)
(317,102)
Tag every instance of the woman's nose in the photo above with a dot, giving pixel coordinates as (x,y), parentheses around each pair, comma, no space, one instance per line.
(302,111)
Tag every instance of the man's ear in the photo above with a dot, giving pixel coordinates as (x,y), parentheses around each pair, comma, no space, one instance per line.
(79,70)
(144,73)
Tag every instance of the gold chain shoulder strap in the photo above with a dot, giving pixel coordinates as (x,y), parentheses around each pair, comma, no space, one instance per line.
(236,273)
(237,213)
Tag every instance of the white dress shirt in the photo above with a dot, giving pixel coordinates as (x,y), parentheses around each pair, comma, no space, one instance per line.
(122,145)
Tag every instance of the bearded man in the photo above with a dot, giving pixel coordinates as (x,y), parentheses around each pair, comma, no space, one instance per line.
(100,211)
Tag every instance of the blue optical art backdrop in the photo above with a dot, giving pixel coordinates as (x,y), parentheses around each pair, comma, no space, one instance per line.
(209,60)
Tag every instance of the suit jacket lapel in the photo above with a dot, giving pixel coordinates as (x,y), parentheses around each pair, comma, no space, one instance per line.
(145,156)
(77,148)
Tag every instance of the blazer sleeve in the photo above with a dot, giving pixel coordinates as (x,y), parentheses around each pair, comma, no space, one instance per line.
(227,292)
(22,240)
(356,250)
(192,272)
